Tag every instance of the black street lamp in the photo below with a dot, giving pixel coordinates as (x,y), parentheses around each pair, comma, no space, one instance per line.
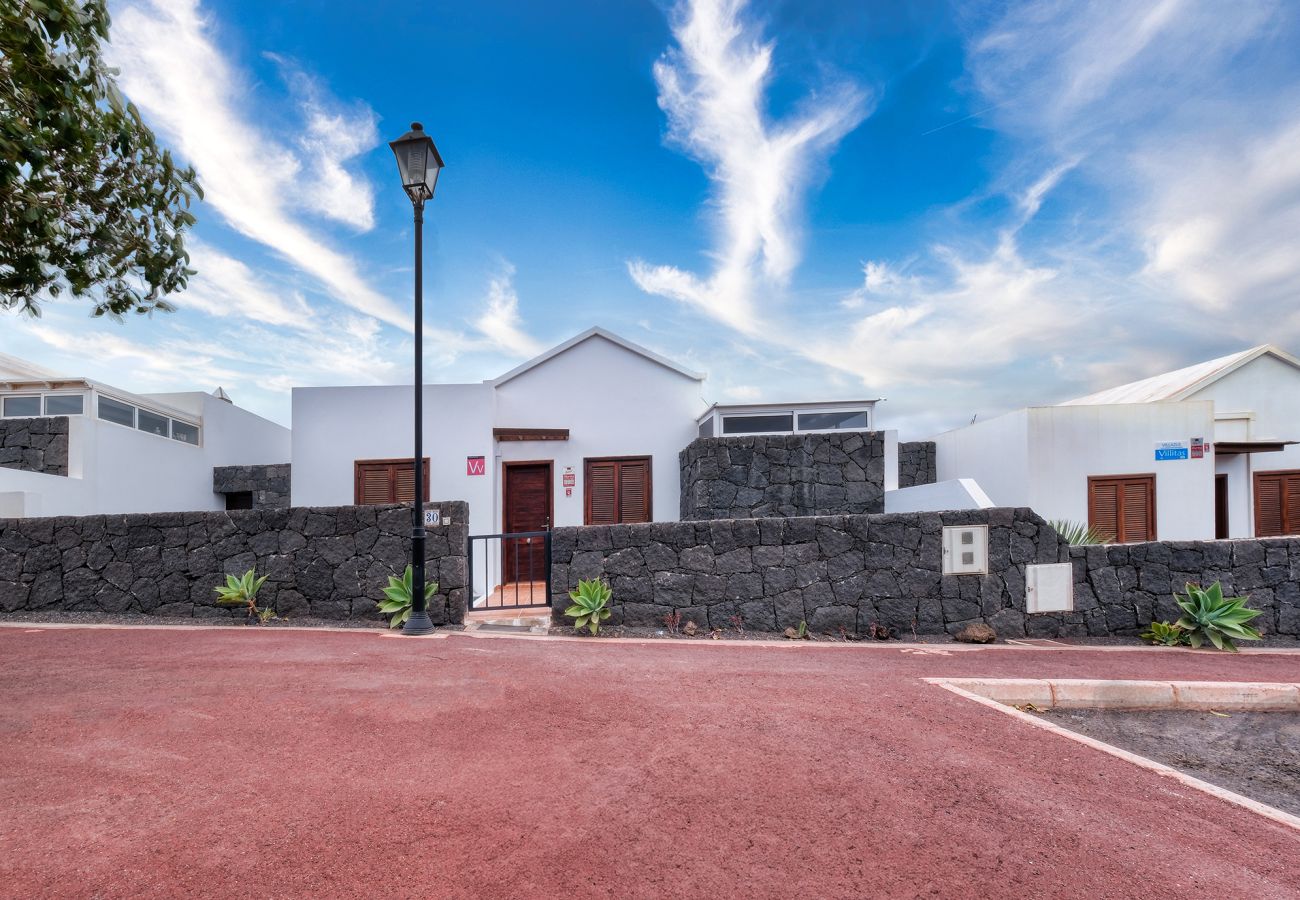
(418,163)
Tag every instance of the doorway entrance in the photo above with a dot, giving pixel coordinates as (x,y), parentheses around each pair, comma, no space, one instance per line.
(526,516)
(1220,507)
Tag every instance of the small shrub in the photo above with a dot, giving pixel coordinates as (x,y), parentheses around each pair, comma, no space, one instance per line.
(242,591)
(737,623)
(398,597)
(1164,634)
(673,621)
(1207,614)
(590,604)
(1078,534)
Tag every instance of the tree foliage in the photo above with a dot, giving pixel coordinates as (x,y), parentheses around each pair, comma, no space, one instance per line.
(89,202)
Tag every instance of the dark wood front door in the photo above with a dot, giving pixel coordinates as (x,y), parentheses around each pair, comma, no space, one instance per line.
(1220,507)
(526,505)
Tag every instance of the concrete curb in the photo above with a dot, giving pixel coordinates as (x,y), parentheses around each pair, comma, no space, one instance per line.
(1285,819)
(1092,693)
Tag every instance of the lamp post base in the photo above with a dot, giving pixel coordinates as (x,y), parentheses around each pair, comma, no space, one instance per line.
(419,623)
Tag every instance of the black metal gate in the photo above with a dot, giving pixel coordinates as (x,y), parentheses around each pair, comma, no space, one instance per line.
(523,578)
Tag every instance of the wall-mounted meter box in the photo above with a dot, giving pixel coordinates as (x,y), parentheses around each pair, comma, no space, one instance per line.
(1049,587)
(966,550)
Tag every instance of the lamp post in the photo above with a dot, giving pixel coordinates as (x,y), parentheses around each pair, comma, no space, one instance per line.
(418,163)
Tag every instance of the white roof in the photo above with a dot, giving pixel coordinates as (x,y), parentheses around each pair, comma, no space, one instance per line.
(587,335)
(1181,383)
(14,369)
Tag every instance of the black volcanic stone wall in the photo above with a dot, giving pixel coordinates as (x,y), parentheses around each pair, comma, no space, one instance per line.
(849,572)
(916,463)
(783,475)
(269,484)
(35,445)
(1132,584)
(326,562)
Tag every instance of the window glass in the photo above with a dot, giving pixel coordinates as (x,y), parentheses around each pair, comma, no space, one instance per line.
(22,406)
(757,424)
(151,422)
(825,421)
(63,405)
(114,411)
(183,431)
(706,427)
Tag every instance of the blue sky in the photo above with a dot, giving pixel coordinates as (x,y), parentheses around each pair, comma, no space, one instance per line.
(962,207)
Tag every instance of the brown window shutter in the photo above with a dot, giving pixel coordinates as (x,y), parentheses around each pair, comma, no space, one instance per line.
(387,481)
(634,491)
(602,493)
(1103,508)
(1123,507)
(618,491)
(1277,503)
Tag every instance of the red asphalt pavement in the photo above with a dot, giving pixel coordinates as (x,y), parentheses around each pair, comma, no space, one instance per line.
(277,763)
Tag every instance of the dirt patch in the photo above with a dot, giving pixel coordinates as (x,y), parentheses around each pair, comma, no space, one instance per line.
(1256,754)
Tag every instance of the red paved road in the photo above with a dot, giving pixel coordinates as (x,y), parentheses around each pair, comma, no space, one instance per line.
(309,764)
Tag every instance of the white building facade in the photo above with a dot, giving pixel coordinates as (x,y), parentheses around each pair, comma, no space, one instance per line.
(125,452)
(1200,453)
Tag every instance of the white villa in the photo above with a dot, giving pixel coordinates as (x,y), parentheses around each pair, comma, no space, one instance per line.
(119,451)
(1207,451)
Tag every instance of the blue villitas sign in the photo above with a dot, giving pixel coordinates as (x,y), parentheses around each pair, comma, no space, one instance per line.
(1171,450)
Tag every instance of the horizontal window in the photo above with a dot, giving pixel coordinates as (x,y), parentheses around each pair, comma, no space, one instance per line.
(185,432)
(828,421)
(117,412)
(22,406)
(757,424)
(64,404)
(151,422)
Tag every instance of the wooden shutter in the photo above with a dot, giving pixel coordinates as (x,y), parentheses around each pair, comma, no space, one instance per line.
(1277,503)
(602,493)
(618,491)
(387,481)
(1123,507)
(634,491)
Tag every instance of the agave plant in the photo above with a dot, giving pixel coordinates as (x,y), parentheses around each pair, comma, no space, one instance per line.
(590,604)
(1077,533)
(242,591)
(1164,634)
(1207,614)
(399,594)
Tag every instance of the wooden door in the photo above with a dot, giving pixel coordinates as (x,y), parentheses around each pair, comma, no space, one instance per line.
(1220,507)
(526,502)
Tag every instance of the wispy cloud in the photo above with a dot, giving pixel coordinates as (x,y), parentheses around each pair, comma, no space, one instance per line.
(500,321)
(191,93)
(713,87)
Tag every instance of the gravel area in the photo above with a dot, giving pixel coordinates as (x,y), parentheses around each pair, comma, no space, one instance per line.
(1252,753)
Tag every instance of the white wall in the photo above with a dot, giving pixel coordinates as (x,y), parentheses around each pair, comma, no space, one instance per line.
(1067,444)
(1270,389)
(994,453)
(614,403)
(115,469)
(940,496)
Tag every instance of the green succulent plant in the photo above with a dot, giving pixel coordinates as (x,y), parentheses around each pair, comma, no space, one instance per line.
(399,594)
(1208,615)
(242,591)
(590,604)
(1164,634)
(1077,533)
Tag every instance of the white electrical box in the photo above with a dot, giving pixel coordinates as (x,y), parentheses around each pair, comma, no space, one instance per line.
(1049,587)
(966,550)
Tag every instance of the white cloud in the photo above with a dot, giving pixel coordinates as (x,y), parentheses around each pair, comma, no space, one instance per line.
(500,321)
(224,286)
(713,86)
(192,95)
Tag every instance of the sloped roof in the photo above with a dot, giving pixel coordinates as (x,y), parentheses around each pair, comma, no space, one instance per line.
(587,335)
(1181,383)
(14,369)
